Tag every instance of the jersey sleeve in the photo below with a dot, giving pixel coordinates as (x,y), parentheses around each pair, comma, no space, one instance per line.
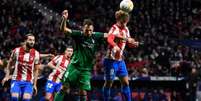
(111,36)
(37,58)
(76,33)
(55,60)
(98,34)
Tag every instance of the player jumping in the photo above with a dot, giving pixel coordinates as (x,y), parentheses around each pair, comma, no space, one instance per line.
(114,64)
(85,45)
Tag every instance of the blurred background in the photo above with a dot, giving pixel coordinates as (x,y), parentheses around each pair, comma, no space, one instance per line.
(166,67)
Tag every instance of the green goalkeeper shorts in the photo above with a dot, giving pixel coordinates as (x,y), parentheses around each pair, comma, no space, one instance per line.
(77,78)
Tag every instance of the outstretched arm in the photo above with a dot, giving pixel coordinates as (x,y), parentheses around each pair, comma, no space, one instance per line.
(63,26)
(46,55)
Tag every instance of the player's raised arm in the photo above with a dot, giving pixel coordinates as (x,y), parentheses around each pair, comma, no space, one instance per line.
(63,26)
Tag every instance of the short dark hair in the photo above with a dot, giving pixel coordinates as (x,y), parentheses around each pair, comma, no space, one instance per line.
(27,35)
(88,22)
(69,46)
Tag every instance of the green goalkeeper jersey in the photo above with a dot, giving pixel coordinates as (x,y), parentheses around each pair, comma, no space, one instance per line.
(84,48)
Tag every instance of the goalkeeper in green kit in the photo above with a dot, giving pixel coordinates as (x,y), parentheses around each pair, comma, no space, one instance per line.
(85,43)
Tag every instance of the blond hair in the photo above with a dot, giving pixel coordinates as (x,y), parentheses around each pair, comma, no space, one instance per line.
(121,15)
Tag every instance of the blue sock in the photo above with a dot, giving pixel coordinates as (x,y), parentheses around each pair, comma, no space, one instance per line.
(76,98)
(106,93)
(14,99)
(126,92)
(26,100)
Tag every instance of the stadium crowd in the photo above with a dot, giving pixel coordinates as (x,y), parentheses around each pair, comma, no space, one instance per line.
(160,24)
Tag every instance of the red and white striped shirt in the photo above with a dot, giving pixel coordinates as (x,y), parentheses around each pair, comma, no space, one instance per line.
(24,63)
(117,36)
(61,63)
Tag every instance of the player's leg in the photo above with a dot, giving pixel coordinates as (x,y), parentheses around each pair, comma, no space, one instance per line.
(49,89)
(58,87)
(84,84)
(15,90)
(109,68)
(27,91)
(82,95)
(123,77)
(70,76)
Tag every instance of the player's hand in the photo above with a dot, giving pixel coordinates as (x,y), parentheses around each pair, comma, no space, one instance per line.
(61,69)
(5,79)
(35,90)
(51,55)
(117,49)
(65,14)
(132,42)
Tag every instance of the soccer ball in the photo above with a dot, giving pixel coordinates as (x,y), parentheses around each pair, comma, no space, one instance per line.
(126,5)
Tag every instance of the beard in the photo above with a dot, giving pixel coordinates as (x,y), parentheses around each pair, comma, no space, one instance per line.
(29,45)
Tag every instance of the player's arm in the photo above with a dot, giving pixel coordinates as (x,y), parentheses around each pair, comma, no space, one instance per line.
(46,55)
(9,67)
(51,65)
(110,39)
(132,42)
(7,70)
(105,35)
(63,26)
(36,73)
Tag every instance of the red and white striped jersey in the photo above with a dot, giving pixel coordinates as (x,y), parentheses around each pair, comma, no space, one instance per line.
(120,36)
(24,63)
(61,64)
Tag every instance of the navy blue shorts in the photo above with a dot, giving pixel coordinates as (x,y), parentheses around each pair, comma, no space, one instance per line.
(52,87)
(21,87)
(114,68)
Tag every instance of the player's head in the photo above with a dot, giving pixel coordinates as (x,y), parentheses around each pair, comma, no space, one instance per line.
(122,17)
(29,40)
(88,27)
(68,52)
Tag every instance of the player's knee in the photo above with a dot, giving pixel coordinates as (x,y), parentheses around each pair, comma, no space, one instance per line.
(82,92)
(108,83)
(48,96)
(64,89)
(16,95)
(125,83)
(27,96)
